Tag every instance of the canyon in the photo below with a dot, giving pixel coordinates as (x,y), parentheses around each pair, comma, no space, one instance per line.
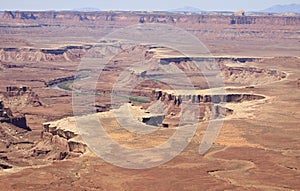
(48,61)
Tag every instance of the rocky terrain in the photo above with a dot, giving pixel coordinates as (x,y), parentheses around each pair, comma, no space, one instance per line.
(258,147)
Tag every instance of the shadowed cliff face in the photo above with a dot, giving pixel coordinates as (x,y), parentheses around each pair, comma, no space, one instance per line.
(160,95)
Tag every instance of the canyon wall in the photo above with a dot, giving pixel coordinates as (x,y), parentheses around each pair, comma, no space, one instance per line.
(66,138)
(127,18)
(68,53)
(178,99)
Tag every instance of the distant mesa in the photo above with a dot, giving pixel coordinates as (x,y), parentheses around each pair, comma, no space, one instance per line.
(87,9)
(186,9)
(291,8)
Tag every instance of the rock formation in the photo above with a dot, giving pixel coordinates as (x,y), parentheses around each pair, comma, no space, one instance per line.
(40,19)
(6,116)
(31,98)
(66,137)
(68,53)
(203,98)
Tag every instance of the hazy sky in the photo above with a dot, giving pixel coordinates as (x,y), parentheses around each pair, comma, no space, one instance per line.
(230,5)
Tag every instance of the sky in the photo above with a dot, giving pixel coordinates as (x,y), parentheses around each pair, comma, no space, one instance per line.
(147,5)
